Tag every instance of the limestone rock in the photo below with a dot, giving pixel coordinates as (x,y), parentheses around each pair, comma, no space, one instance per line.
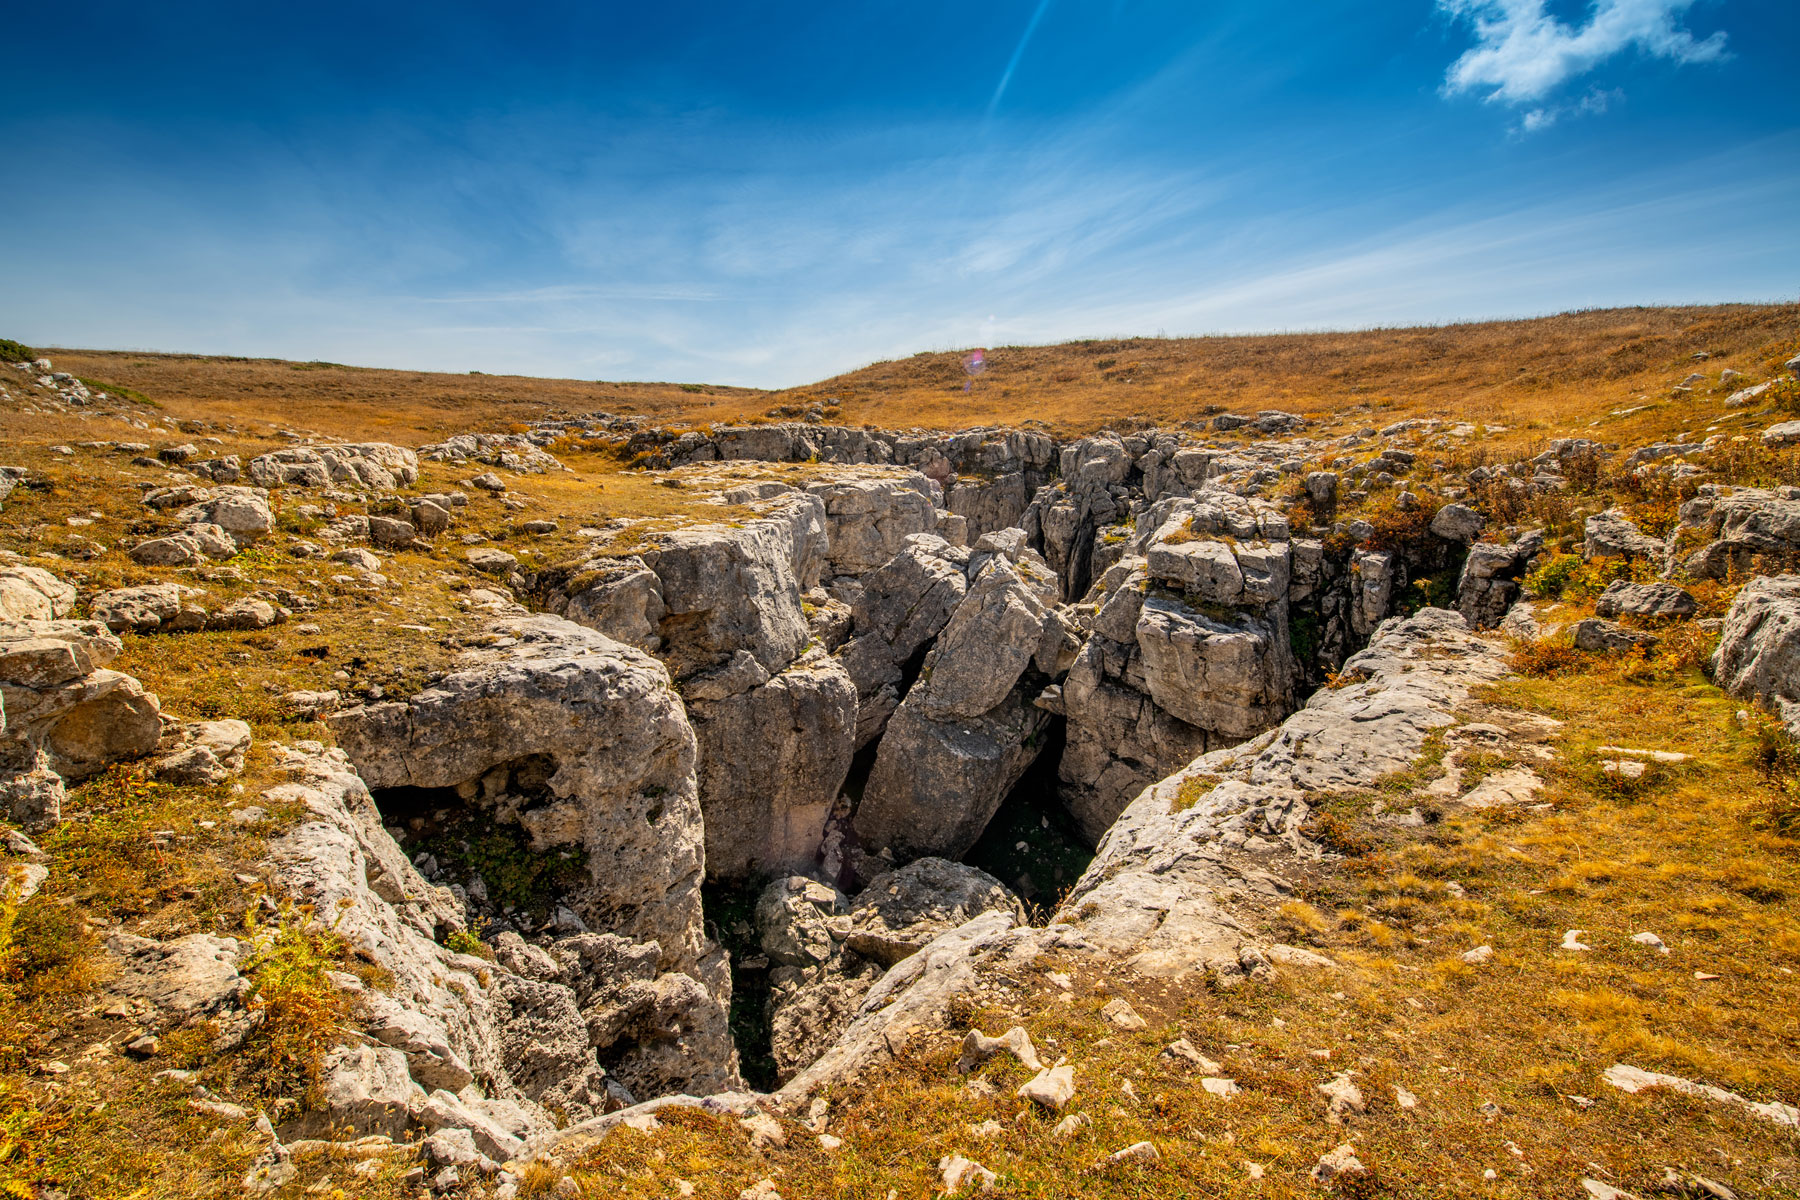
(33,594)
(1611,535)
(620,597)
(728,589)
(868,519)
(378,466)
(770,762)
(1622,598)
(1148,898)
(1597,635)
(1759,647)
(143,609)
(902,911)
(621,757)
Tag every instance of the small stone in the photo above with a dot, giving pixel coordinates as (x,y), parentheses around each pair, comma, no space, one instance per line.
(1137,1152)
(1404,1098)
(144,1046)
(1604,1191)
(1120,1013)
(763,1189)
(1342,1095)
(1216,1086)
(1182,1051)
(828,1143)
(978,1048)
(1651,940)
(1478,955)
(765,1131)
(1570,940)
(1071,1125)
(960,1173)
(1342,1161)
(1051,1088)
(1253,1170)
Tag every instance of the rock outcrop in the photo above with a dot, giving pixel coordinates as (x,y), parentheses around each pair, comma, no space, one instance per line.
(66,716)
(1758,657)
(1150,897)
(611,758)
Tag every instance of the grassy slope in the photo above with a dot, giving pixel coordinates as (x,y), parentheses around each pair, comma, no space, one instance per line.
(1550,373)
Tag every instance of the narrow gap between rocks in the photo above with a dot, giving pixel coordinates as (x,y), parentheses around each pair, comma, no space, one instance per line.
(1032,845)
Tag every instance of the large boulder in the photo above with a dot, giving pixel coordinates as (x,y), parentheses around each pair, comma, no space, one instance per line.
(1759,647)
(146,609)
(619,596)
(771,760)
(1739,530)
(731,588)
(243,513)
(902,911)
(1491,578)
(611,739)
(379,466)
(869,518)
(968,728)
(1611,535)
(66,716)
(33,594)
(900,607)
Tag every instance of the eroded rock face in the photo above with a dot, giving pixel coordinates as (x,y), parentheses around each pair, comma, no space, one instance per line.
(900,607)
(620,597)
(726,590)
(1189,648)
(968,728)
(376,465)
(867,520)
(1759,647)
(526,1031)
(1742,529)
(66,716)
(620,783)
(1148,898)
(771,760)
(830,951)
(1491,579)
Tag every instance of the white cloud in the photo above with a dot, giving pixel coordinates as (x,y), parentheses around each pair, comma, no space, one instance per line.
(1522,53)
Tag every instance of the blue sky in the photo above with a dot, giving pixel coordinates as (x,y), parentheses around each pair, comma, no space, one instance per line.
(769,193)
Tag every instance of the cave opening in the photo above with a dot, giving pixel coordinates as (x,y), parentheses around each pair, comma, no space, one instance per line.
(1032,844)
(470,839)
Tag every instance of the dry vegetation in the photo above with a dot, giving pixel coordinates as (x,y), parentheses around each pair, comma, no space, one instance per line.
(1549,373)
(1702,854)
(1686,854)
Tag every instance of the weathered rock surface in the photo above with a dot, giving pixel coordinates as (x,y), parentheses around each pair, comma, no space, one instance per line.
(619,768)
(378,466)
(1490,583)
(1149,897)
(902,911)
(1743,530)
(66,717)
(1624,599)
(771,760)
(968,728)
(1759,647)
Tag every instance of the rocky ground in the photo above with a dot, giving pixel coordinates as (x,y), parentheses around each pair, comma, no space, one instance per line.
(588,806)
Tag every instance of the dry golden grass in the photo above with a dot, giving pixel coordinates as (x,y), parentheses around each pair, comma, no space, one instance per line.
(1540,375)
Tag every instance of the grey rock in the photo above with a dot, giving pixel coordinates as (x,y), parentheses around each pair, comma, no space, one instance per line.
(143,609)
(903,910)
(1622,598)
(1611,535)
(771,761)
(33,594)
(1758,657)
(1596,635)
(1457,523)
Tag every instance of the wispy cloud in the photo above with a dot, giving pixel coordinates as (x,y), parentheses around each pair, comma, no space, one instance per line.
(1522,53)
(1012,64)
